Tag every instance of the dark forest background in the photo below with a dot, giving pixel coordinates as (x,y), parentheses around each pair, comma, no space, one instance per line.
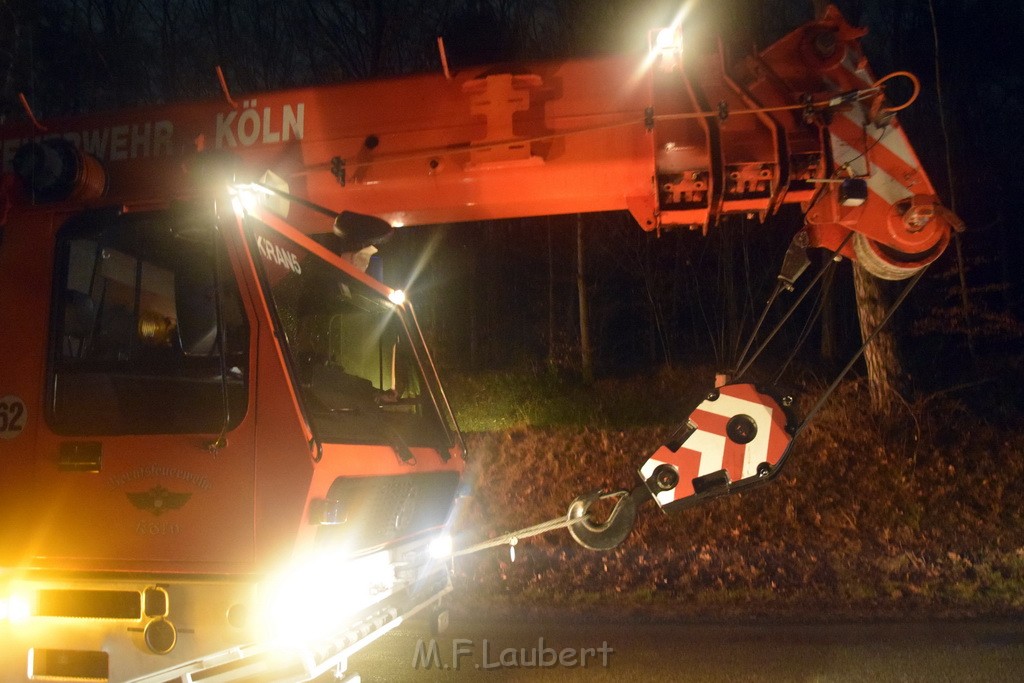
(504,294)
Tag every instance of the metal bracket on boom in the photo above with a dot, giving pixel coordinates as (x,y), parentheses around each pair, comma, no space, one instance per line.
(795,262)
(338,170)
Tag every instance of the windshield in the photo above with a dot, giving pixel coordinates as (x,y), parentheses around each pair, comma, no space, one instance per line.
(349,349)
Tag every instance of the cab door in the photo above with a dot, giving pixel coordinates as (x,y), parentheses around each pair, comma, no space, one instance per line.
(146,458)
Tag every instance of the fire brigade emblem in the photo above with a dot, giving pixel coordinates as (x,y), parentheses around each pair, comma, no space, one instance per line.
(158,500)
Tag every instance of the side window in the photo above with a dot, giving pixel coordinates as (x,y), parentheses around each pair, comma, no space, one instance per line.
(139,305)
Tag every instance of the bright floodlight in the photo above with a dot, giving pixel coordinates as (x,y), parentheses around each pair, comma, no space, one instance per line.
(667,42)
(668,39)
(316,598)
(665,45)
(244,197)
(397,297)
(441,547)
(14,609)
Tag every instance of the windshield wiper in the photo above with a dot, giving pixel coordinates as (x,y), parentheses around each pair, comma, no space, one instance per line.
(393,436)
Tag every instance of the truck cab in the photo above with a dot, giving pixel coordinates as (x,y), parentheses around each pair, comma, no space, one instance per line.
(224,447)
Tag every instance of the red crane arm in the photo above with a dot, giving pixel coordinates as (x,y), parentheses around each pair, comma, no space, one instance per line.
(674,136)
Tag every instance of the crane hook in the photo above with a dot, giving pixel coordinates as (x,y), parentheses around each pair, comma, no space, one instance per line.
(602,535)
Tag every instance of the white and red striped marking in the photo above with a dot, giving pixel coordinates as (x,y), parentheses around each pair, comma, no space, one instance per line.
(886,158)
(709,449)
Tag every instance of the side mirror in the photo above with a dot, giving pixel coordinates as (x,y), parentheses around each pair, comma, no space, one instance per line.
(354,232)
(358,231)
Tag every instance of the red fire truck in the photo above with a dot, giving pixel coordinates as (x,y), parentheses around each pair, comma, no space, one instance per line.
(224,448)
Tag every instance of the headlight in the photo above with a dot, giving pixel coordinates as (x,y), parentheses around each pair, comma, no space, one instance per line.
(14,608)
(441,547)
(315,597)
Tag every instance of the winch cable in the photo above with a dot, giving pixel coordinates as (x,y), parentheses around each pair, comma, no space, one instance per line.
(812,413)
(856,356)
(782,284)
(817,307)
(779,288)
(512,538)
(579,515)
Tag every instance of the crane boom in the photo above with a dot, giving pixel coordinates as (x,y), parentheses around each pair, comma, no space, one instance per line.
(675,136)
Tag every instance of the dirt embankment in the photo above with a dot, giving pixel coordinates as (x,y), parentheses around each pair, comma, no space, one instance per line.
(917,514)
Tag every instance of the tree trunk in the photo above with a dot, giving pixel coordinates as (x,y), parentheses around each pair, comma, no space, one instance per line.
(586,360)
(885,371)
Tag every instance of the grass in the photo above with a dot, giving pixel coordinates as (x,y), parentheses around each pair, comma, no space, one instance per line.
(917,512)
(536,397)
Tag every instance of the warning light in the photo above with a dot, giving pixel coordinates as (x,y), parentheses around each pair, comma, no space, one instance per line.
(665,45)
(666,48)
(668,39)
(14,608)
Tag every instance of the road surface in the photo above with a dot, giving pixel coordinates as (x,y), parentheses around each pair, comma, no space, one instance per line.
(516,647)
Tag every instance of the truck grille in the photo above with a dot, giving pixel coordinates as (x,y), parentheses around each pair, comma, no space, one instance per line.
(68,665)
(88,604)
(382,509)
